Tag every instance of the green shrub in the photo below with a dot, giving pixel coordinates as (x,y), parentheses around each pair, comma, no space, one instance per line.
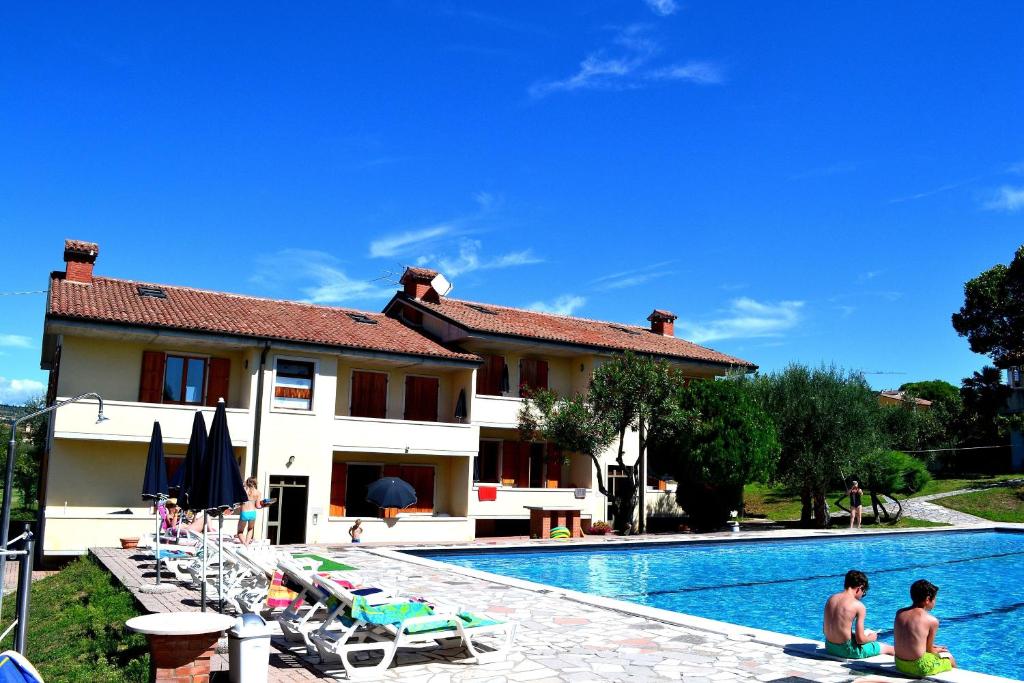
(893,472)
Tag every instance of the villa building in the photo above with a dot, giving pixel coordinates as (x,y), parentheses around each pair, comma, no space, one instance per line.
(321,401)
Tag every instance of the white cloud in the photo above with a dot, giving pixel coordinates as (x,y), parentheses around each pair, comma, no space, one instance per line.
(392,245)
(17,391)
(704,73)
(1007,198)
(625,66)
(15,340)
(746,319)
(633,277)
(662,8)
(1016,168)
(320,278)
(469,259)
(563,305)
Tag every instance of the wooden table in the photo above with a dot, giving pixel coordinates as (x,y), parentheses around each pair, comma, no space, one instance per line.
(544,517)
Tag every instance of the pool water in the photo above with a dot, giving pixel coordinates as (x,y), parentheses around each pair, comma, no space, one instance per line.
(782,585)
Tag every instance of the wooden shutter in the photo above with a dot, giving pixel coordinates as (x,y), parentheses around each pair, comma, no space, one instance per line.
(369,394)
(483,378)
(421,398)
(151,383)
(554,456)
(219,370)
(488,377)
(421,477)
(392,471)
(509,462)
(541,377)
(339,474)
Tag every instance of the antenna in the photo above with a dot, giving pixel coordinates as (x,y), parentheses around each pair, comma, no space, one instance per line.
(441,285)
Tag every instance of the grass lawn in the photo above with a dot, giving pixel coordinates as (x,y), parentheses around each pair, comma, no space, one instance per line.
(780,505)
(980,481)
(1004,504)
(76,627)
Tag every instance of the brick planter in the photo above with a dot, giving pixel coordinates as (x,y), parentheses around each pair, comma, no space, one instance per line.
(181,644)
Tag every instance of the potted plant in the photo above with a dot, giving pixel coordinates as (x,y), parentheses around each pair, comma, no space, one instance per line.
(130,542)
(599,528)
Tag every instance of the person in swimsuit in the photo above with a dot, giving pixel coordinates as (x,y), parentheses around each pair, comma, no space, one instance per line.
(356,530)
(855,493)
(247,517)
(915,629)
(845,635)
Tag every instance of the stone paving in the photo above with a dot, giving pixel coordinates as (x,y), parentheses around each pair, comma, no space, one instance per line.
(921,507)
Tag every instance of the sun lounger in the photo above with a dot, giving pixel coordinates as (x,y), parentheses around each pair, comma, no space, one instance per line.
(357,625)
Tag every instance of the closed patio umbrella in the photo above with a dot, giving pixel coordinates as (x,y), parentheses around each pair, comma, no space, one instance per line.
(190,472)
(460,406)
(391,492)
(221,487)
(154,483)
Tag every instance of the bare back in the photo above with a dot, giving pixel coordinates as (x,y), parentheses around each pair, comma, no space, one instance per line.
(914,631)
(254,496)
(840,611)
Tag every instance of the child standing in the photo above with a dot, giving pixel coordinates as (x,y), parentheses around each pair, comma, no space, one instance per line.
(356,530)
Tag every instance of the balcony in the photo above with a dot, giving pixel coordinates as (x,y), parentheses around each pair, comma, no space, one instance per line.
(510,501)
(370,435)
(496,411)
(130,421)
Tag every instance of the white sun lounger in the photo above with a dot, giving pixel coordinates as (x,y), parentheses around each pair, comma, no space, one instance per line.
(340,637)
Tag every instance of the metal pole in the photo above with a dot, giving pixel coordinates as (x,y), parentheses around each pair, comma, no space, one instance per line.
(202,586)
(156,539)
(24,588)
(5,518)
(220,561)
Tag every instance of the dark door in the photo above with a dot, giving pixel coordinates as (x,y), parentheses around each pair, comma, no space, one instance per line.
(286,521)
(537,466)
(358,480)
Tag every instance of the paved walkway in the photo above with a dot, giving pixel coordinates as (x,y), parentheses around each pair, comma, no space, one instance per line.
(559,639)
(921,507)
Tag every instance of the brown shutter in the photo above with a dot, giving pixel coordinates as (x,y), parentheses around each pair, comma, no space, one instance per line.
(483,378)
(554,467)
(527,368)
(421,398)
(392,471)
(541,377)
(151,383)
(219,370)
(497,370)
(509,462)
(421,477)
(369,394)
(339,474)
(379,395)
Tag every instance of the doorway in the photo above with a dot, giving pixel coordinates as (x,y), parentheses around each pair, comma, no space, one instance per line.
(286,520)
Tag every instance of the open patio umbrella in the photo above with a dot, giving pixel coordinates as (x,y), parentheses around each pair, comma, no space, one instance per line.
(391,492)
(221,488)
(190,472)
(154,483)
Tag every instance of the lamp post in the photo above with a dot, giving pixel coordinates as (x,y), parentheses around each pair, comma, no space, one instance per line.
(12,453)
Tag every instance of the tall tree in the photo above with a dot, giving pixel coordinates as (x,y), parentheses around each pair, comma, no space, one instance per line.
(826,420)
(716,438)
(992,317)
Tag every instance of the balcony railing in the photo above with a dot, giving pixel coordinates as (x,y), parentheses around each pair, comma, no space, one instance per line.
(366,434)
(130,421)
(496,411)
(509,500)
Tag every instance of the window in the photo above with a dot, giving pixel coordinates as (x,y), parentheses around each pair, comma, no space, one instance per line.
(421,398)
(184,379)
(492,377)
(293,384)
(358,478)
(369,394)
(151,292)
(481,309)
(362,318)
(533,375)
(487,464)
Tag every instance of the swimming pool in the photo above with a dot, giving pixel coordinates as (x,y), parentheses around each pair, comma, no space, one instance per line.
(782,585)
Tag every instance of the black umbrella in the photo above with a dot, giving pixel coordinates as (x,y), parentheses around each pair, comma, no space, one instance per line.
(460,406)
(190,474)
(221,488)
(391,492)
(154,483)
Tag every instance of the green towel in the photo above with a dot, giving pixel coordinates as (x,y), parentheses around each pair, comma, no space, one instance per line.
(469,620)
(389,612)
(326,564)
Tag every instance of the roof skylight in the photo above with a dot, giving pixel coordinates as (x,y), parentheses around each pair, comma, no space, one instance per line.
(482,309)
(362,318)
(152,292)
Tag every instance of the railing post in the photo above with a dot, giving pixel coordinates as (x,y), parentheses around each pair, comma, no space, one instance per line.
(24,586)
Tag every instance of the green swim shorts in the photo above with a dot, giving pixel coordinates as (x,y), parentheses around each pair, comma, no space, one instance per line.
(851,650)
(927,665)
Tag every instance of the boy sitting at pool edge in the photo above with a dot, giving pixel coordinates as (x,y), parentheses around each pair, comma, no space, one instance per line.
(845,635)
(914,631)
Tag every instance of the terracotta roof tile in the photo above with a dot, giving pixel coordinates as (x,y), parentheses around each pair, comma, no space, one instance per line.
(503,320)
(183,308)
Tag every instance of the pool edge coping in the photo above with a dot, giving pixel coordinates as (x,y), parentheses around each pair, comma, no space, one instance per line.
(795,645)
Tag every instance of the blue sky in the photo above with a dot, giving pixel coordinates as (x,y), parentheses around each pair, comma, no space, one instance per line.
(797,181)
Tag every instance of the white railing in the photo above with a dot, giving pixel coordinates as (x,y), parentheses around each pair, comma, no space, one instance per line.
(365,434)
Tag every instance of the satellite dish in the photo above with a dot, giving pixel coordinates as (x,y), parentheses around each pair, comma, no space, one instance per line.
(441,285)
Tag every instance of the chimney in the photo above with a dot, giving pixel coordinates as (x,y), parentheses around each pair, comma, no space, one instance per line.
(79,258)
(663,322)
(417,283)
